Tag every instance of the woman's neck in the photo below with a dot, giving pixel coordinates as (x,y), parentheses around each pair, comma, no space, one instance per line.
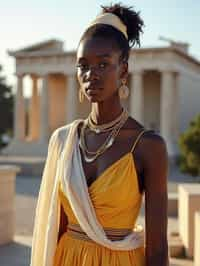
(104,113)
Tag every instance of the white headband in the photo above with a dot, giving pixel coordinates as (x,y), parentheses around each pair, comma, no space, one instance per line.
(112,20)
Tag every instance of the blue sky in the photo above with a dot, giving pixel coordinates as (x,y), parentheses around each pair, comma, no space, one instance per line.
(27,22)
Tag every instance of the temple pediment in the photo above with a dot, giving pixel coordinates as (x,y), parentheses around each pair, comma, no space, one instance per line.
(52,45)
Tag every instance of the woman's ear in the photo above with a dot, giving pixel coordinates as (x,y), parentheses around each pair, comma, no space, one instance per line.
(124,70)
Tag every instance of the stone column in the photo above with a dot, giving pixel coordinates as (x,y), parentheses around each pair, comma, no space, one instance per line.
(167,109)
(44,110)
(34,110)
(176,116)
(19,116)
(137,96)
(71,98)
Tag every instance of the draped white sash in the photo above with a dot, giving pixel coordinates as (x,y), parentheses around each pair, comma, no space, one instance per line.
(64,163)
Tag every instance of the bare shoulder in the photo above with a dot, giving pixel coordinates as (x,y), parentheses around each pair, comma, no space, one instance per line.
(153,138)
(153,145)
(154,154)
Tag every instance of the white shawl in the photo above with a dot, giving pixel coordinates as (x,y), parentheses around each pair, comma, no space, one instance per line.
(68,167)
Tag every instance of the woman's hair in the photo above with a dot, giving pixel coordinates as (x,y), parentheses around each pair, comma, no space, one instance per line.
(130,18)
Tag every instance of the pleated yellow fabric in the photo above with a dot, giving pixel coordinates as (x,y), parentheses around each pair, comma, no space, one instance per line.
(116,199)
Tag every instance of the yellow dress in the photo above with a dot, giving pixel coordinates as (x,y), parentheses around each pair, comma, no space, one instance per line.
(117,200)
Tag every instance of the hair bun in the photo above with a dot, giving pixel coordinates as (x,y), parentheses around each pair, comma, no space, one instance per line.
(130,18)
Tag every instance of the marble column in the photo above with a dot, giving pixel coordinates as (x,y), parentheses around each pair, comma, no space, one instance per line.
(71,98)
(168,108)
(19,116)
(137,96)
(44,110)
(34,110)
(177,106)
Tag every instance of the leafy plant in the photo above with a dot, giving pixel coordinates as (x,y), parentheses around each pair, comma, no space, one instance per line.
(6,107)
(189,143)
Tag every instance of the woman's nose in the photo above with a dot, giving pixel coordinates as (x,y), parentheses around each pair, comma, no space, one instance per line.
(92,73)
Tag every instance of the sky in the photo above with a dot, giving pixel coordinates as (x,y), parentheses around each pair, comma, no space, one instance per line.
(23,23)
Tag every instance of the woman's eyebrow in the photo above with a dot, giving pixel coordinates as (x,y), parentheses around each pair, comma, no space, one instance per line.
(80,59)
(99,56)
(104,55)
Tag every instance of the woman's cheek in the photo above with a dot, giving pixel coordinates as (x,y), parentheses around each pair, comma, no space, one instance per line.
(113,79)
(80,77)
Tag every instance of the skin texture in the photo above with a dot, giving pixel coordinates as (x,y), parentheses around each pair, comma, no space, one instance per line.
(99,67)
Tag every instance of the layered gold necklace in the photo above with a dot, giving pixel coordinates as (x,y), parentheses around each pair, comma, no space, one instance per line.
(105,127)
(114,128)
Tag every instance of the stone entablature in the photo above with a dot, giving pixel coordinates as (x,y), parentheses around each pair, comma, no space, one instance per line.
(42,65)
(43,62)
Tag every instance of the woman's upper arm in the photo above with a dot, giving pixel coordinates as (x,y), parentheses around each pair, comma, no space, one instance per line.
(63,222)
(155,182)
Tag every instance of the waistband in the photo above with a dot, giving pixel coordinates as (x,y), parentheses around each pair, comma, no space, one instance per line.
(75,231)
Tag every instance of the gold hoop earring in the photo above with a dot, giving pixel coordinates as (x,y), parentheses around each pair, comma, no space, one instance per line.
(123,90)
(81,95)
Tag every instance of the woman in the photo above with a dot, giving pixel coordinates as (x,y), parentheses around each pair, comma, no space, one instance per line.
(97,169)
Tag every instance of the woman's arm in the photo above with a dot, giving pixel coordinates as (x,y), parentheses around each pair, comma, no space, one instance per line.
(63,223)
(155,174)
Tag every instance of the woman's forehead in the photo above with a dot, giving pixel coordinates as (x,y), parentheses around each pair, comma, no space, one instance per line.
(97,47)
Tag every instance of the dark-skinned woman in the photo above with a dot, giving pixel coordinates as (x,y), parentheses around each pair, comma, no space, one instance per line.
(98,169)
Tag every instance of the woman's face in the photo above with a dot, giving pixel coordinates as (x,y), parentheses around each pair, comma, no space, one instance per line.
(99,69)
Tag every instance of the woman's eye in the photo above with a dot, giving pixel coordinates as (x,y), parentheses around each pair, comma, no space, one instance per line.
(82,66)
(102,65)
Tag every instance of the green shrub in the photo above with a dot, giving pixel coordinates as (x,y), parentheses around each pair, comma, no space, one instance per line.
(6,107)
(189,143)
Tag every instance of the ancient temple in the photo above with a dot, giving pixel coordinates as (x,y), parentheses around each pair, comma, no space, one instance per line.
(164,93)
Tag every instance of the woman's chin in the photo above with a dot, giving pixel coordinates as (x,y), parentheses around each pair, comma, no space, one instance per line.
(93,98)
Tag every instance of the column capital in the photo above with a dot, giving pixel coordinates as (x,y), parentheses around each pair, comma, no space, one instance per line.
(167,70)
(34,76)
(19,75)
(167,76)
(137,72)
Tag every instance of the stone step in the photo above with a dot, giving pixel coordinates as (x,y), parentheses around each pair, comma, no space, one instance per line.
(176,247)
(181,262)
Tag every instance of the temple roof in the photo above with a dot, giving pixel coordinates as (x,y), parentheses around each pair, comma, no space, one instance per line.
(52,45)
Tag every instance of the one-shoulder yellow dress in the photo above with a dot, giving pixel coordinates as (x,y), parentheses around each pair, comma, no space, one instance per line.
(117,200)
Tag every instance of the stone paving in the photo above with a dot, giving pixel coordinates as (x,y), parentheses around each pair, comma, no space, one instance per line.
(18,252)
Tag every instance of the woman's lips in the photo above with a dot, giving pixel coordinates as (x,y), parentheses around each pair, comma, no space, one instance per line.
(92,90)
